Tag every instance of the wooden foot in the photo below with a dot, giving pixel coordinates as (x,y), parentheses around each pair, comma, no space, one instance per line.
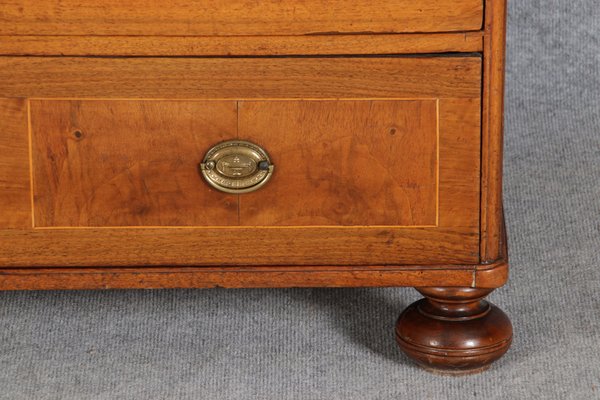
(454,330)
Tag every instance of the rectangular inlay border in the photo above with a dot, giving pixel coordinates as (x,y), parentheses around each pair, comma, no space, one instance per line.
(35,225)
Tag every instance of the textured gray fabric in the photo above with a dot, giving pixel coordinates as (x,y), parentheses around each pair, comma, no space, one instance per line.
(338,344)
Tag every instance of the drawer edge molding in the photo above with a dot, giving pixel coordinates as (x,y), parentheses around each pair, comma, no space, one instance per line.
(236,78)
(230,46)
(241,277)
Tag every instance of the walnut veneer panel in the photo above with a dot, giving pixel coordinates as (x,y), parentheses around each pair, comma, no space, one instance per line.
(236,17)
(128,163)
(241,78)
(338,162)
(344,162)
(135,163)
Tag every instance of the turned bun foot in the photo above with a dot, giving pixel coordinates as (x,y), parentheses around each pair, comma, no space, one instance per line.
(454,330)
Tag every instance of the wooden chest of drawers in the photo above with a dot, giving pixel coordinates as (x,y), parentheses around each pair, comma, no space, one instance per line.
(302,143)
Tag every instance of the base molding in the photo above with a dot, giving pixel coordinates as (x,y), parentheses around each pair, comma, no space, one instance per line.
(491,276)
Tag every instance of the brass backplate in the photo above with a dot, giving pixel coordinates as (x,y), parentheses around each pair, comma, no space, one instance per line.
(236,166)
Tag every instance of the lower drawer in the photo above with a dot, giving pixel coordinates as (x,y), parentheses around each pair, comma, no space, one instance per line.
(391,178)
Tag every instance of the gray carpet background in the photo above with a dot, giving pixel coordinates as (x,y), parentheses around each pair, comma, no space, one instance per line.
(338,343)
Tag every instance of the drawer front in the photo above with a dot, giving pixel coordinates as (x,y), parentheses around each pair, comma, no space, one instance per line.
(377,161)
(237,17)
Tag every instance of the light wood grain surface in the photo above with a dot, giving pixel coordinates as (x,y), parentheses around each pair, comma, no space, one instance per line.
(411,43)
(236,17)
(241,78)
(238,246)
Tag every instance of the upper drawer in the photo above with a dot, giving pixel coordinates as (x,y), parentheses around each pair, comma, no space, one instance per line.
(236,17)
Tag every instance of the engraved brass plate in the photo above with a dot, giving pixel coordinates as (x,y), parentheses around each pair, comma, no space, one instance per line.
(236,166)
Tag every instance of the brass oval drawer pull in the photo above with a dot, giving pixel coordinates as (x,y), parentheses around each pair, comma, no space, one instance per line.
(236,166)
